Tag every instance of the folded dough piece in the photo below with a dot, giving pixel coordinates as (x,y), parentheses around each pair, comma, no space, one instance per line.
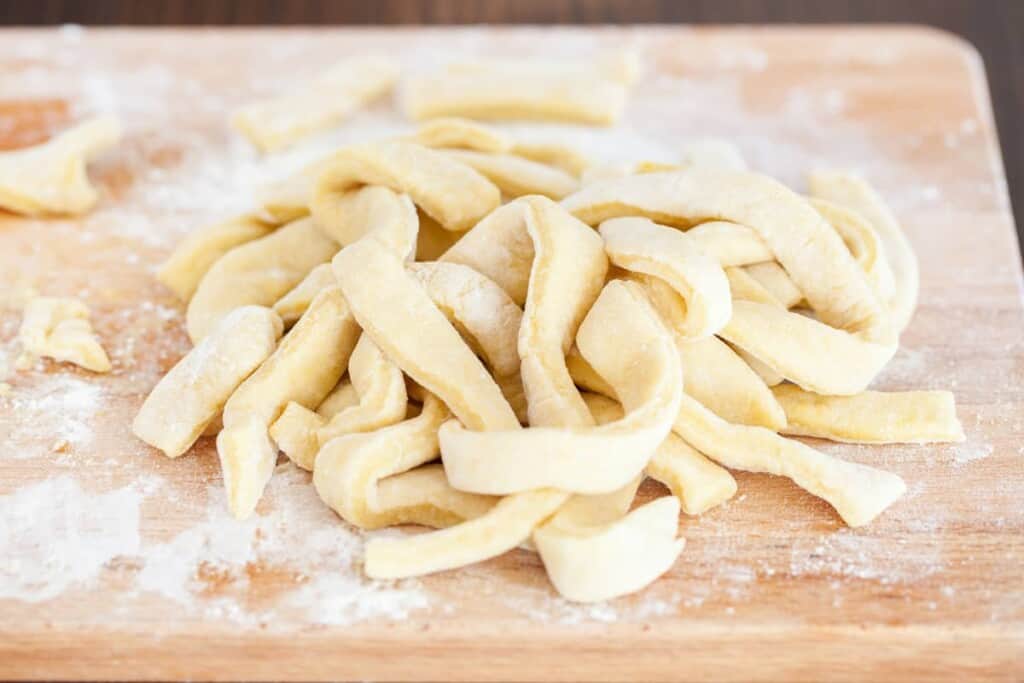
(318,104)
(51,178)
(193,257)
(59,328)
(852,192)
(452,193)
(296,300)
(397,313)
(872,416)
(191,395)
(644,367)
(800,239)
(257,273)
(669,255)
(349,470)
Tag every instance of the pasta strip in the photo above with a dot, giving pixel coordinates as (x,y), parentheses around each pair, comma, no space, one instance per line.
(872,416)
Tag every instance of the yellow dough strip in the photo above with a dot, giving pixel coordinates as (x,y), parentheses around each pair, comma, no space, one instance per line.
(193,257)
(872,416)
(350,468)
(803,242)
(191,395)
(257,273)
(305,368)
(316,105)
(857,492)
(451,192)
(854,193)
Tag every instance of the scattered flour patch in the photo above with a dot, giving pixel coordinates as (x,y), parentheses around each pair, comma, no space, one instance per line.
(62,407)
(300,531)
(970,451)
(55,536)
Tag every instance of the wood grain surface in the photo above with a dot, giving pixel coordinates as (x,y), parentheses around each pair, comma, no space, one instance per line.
(770,586)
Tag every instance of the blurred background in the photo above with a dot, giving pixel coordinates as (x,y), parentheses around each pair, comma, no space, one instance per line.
(994,27)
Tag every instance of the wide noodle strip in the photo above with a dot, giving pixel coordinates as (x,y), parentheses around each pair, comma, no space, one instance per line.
(872,416)
(452,193)
(191,395)
(801,240)
(552,91)
(316,105)
(304,369)
(857,492)
(645,370)
(193,256)
(257,273)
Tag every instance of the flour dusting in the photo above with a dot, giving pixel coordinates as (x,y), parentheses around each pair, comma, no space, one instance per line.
(54,536)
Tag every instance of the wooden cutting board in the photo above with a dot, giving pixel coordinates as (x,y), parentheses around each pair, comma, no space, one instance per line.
(116,563)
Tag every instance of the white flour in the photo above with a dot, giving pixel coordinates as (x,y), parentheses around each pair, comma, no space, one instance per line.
(54,536)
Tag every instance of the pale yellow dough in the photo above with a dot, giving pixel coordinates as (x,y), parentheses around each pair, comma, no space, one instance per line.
(191,395)
(316,105)
(51,178)
(872,416)
(59,328)
(257,273)
(194,255)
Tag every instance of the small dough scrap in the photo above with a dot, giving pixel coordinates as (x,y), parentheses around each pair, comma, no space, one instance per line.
(51,178)
(191,395)
(630,553)
(59,328)
(349,469)
(304,369)
(452,193)
(872,416)
(318,104)
(516,176)
(294,303)
(257,273)
(194,255)
(642,246)
(857,492)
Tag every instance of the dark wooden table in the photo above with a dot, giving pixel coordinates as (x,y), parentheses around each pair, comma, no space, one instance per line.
(995,27)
